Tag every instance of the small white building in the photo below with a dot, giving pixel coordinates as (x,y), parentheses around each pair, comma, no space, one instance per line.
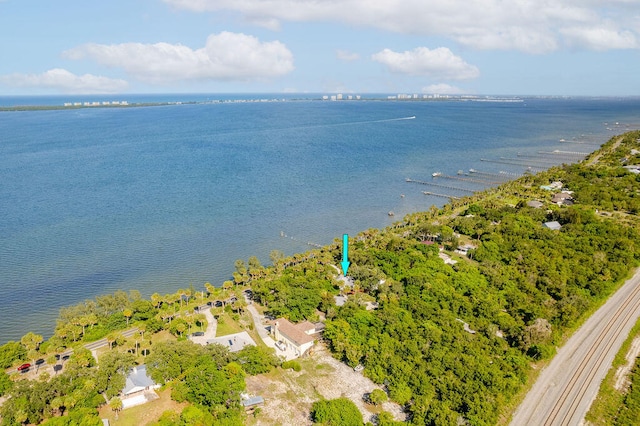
(234,342)
(139,388)
(553,225)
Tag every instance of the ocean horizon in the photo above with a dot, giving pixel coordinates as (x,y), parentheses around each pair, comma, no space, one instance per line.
(157,198)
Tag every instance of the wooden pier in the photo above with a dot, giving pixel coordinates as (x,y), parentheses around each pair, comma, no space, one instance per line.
(512,163)
(537,158)
(565,153)
(283,235)
(454,188)
(502,175)
(466,179)
(435,194)
(529,162)
(575,142)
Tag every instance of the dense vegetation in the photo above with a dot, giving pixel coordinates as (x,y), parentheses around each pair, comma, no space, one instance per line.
(630,410)
(452,342)
(455,342)
(336,412)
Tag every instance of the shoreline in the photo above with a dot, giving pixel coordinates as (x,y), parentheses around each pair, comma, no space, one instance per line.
(318,98)
(289,248)
(260,279)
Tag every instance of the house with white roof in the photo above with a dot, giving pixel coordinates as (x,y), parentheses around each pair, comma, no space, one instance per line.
(139,388)
(234,342)
(553,225)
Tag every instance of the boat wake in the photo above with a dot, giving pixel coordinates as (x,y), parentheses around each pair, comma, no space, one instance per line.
(388,119)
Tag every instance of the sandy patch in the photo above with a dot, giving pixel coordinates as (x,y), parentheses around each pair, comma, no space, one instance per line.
(622,374)
(288,397)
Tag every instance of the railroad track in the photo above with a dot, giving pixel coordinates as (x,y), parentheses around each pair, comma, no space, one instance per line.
(566,388)
(594,359)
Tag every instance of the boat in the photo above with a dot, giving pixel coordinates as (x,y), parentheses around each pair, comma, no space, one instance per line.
(436,174)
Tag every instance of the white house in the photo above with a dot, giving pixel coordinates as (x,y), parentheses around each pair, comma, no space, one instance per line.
(298,337)
(139,388)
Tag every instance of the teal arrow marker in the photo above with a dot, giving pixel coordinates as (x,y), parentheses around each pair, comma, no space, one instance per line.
(345,254)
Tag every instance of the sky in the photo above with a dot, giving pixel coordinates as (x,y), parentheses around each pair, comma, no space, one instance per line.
(474,47)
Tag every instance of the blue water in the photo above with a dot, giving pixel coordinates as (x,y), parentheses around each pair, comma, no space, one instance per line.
(158,198)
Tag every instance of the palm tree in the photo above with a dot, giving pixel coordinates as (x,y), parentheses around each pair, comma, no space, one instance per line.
(227,285)
(86,320)
(141,329)
(188,293)
(169,300)
(181,328)
(211,289)
(240,304)
(200,319)
(31,342)
(179,296)
(56,405)
(128,313)
(111,338)
(156,300)
(116,405)
(190,320)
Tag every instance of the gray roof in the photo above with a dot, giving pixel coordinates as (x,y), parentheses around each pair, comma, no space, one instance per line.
(253,401)
(137,380)
(235,342)
(553,225)
(535,204)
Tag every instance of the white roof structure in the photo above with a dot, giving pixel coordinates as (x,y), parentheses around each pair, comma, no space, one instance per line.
(554,225)
(235,342)
(137,380)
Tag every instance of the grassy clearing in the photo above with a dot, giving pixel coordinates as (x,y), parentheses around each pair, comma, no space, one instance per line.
(143,414)
(227,325)
(609,401)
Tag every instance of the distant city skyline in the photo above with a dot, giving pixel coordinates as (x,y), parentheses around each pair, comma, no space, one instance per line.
(521,47)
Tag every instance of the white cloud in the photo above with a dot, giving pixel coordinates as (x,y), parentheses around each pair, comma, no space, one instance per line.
(534,26)
(347,56)
(225,56)
(442,89)
(65,81)
(601,38)
(436,63)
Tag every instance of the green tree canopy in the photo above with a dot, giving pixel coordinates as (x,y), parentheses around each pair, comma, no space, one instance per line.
(336,412)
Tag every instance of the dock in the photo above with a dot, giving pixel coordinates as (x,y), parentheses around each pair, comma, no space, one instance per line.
(575,142)
(435,194)
(467,179)
(454,188)
(503,175)
(565,153)
(530,162)
(538,158)
(283,235)
(513,163)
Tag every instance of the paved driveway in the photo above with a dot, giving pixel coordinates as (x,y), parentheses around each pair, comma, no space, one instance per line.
(210,332)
